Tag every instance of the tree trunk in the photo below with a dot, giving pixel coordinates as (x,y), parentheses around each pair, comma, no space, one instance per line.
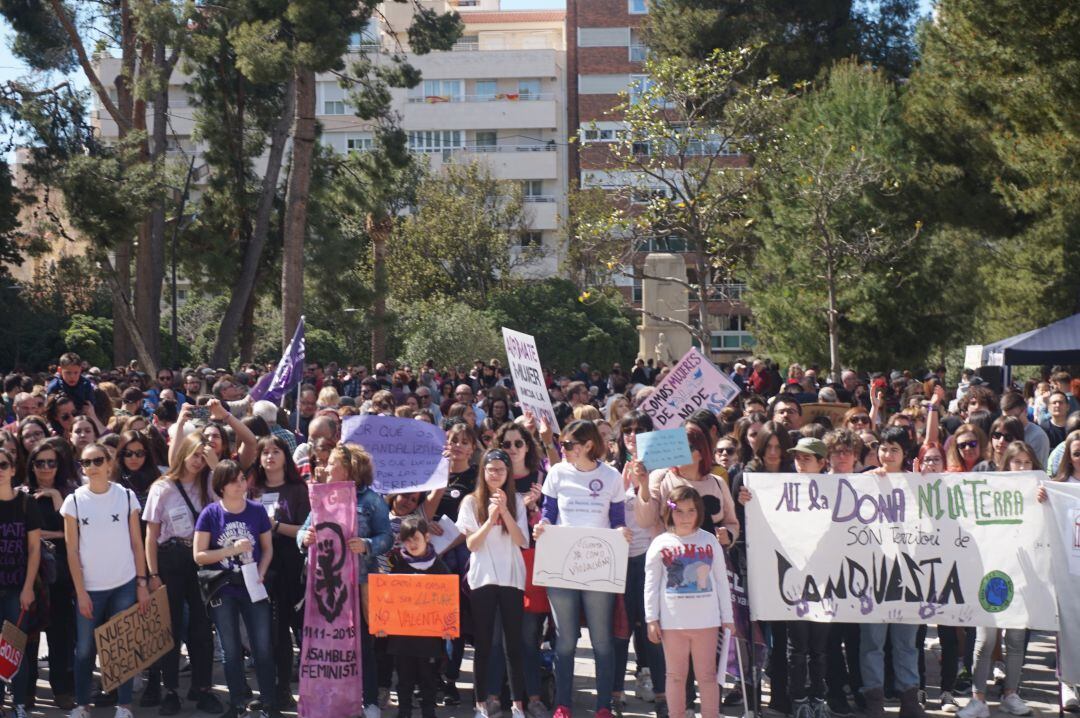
(834,328)
(126,315)
(244,287)
(379,231)
(247,330)
(122,346)
(296,205)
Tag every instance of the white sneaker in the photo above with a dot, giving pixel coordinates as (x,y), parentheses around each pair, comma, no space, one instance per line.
(948,703)
(122,712)
(372,711)
(20,712)
(1069,701)
(975,709)
(1014,704)
(516,712)
(480,712)
(80,712)
(643,687)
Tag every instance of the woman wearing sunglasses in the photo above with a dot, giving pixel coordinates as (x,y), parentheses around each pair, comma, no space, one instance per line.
(643,520)
(50,477)
(583,491)
(173,505)
(20,525)
(857,419)
(134,467)
(60,413)
(32,431)
(107,563)
(968,448)
(1003,432)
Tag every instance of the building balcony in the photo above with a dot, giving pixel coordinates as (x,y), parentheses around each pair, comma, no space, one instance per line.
(486,64)
(506,162)
(543,212)
(470,112)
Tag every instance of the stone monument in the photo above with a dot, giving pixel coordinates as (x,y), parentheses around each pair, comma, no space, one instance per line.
(657,339)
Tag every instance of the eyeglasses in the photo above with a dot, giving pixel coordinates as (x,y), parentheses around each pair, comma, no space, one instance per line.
(967,445)
(860,419)
(516,443)
(136,453)
(635,430)
(873,445)
(96,461)
(567,445)
(998,436)
(726,450)
(5,465)
(164,378)
(44,463)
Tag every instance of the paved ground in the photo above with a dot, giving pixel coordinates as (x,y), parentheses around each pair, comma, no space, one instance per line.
(1038,688)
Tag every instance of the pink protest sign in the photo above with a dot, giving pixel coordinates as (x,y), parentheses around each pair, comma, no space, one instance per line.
(330,683)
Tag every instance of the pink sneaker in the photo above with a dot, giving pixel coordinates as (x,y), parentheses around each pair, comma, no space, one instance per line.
(562,712)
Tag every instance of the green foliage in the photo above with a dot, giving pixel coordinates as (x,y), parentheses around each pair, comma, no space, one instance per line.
(458,242)
(450,332)
(798,40)
(992,110)
(599,330)
(90,338)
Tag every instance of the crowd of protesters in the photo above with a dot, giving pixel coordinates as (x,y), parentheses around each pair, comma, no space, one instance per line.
(113,484)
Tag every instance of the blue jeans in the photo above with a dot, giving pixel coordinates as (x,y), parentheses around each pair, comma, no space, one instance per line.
(106,605)
(649,655)
(227,612)
(904,654)
(566,607)
(9,611)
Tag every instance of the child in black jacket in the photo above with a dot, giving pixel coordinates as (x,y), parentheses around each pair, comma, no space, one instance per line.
(416,658)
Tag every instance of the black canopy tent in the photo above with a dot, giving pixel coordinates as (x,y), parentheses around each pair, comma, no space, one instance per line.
(1057,343)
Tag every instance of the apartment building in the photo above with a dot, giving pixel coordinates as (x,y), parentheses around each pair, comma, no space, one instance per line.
(604,57)
(498,97)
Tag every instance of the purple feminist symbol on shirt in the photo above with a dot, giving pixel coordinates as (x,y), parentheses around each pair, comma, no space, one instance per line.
(594,487)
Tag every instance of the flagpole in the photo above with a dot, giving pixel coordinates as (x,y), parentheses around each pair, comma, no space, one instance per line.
(299,385)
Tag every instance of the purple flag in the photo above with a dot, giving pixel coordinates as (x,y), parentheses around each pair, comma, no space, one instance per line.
(286,376)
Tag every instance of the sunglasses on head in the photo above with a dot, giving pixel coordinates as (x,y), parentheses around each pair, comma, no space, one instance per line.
(967,444)
(44,463)
(516,443)
(136,453)
(96,461)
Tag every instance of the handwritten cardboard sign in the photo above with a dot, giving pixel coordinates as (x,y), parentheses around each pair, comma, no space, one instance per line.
(692,384)
(410,604)
(129,642)
(330,671)
(834,412)
(407,454)
(12,648)
(528,376)
(581,558)
(663,449)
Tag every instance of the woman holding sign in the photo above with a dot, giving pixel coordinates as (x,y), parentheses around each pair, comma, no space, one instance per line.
(494,520)
(584,492)
(20,525)
(172,508)
(107,563)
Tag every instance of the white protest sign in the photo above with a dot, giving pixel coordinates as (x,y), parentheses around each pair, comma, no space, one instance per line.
(581,558)
(692,384)
(1064,510)
(528,376)
(952,549)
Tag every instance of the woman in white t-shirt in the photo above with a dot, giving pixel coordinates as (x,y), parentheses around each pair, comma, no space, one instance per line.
(494,521)
(108,567)
(173,504)
(582,491)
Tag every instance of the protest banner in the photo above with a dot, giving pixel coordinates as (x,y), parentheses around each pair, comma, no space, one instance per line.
(415,604)
(748,634)
(954,549)
(528,376)
(407,454)
(833,412)
(330,682)
(581,558)
(12,648)
(663,449)
(1065,509)
(132,640)
(693,383)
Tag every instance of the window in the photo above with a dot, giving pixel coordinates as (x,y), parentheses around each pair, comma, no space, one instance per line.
(467,43)
(486,89)
(366,39)
(638,7)
(486,140)
(533,190)
(529,89)
(636,291)
(734,334)
(638,50)
(333,99)
(443,90)
(597,135)
(359,143)
(532,239)
(434,140)
(639,85)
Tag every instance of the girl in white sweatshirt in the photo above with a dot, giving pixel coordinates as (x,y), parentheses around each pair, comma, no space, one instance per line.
(687,599)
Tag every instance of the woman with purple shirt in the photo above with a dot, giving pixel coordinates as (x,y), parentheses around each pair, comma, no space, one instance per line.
(582,491)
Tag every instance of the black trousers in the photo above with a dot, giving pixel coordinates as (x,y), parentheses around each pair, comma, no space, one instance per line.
(842,659)
(510,605)
(807,642)
(778,666)
(413,671)
(178,573)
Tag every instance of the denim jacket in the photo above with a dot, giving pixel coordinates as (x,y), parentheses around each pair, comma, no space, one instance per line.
(372,525)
